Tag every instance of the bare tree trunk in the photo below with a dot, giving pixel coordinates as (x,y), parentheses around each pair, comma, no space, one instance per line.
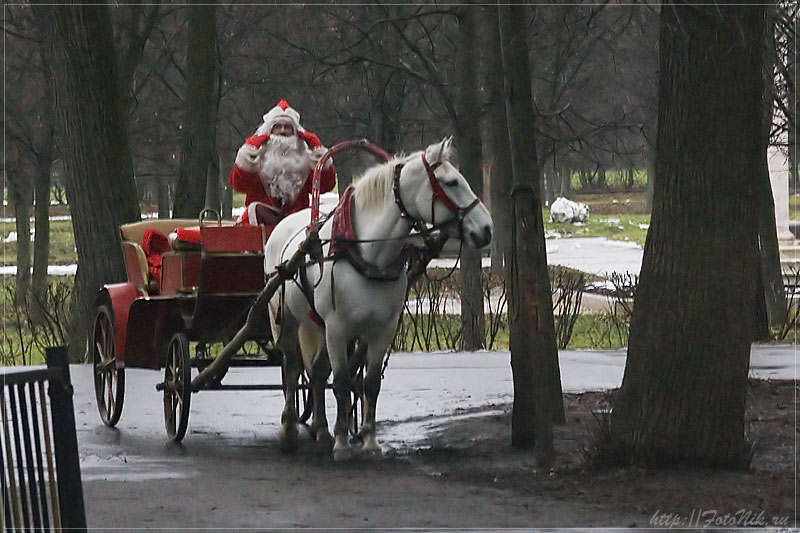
(20,196)
(469,149)
(775,297)
(501,174)
(227,201)
(699,294)
(213,192)
(43,165)
(534,356)
(651,183)
(200,112)
(80,53)
(41,243)
(226,193)
(565,174)
(163,197)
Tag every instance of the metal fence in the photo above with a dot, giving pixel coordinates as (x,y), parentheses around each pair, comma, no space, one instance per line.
(41,480)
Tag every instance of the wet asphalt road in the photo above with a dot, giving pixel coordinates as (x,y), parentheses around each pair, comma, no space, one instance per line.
(229,473)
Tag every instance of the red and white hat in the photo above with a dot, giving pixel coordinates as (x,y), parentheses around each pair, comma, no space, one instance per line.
(282,112)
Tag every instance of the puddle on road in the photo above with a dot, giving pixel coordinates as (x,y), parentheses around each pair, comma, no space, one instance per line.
(401,436)
(133,468)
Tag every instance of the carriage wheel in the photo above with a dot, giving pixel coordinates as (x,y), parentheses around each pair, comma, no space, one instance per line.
(109,380)
(177,387)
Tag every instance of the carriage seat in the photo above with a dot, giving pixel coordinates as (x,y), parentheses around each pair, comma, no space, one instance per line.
(135,257)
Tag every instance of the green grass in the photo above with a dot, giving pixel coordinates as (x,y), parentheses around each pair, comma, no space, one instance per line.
(794,206)
(62,244)
(616,227)
(591,332)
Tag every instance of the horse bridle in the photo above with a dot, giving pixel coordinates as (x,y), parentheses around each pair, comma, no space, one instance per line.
(437,194)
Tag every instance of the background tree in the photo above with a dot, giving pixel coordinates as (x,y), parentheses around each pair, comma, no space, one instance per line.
(20,197)
(29,126)
(496,149)
(80,53)
(534,356)
(697,304)
(468,139)
(198,149)
(774,293)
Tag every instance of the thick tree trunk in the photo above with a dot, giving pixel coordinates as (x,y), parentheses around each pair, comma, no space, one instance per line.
(469,149)
(80,53)
(197,150)
(534,356)
(696,312)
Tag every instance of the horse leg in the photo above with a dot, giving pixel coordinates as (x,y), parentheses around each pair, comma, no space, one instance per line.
(337,351)
(372,387)
(320,371)
(292,366)
(315,360)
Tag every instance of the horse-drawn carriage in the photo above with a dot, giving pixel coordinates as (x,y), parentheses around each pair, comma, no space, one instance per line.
(217,288)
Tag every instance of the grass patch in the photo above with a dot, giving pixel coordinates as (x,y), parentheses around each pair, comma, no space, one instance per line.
(26,330)
(631,228)
(794,206)
(62,244)
(421,333)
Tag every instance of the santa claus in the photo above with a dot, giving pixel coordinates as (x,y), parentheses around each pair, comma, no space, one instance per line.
(274,166)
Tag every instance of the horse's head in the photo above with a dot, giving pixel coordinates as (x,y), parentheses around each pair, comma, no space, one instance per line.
(432,190)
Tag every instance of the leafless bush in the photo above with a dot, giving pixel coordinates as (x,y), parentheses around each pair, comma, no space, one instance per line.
(566,287)
(47,314)
(622,304)
(16,342)
(35,322)
(496,295)
(792,288)
(430,320)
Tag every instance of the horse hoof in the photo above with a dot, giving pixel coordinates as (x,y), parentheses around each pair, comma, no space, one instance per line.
(343,454)
(287,446)
(325,440)
(287,441)
(372,453)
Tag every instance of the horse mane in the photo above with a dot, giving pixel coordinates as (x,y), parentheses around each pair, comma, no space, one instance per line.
(372,191)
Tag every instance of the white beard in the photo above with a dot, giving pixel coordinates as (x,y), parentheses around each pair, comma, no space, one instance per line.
(284,167)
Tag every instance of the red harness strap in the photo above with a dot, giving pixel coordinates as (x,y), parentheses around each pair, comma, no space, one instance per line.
(342,232)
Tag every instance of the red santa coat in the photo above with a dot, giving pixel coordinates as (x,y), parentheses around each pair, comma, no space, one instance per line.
(250,182)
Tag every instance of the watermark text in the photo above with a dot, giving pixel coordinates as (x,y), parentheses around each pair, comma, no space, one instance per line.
(707,518)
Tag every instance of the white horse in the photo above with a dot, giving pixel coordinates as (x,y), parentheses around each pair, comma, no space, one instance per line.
(360,294)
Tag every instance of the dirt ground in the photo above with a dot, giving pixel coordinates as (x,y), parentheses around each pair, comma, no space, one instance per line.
(477,450)
(466,476)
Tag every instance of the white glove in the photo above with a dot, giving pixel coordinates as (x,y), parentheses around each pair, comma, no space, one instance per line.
(248,157)
(316,154)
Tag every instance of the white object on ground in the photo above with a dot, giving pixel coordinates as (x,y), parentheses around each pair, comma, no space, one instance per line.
(563,211)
